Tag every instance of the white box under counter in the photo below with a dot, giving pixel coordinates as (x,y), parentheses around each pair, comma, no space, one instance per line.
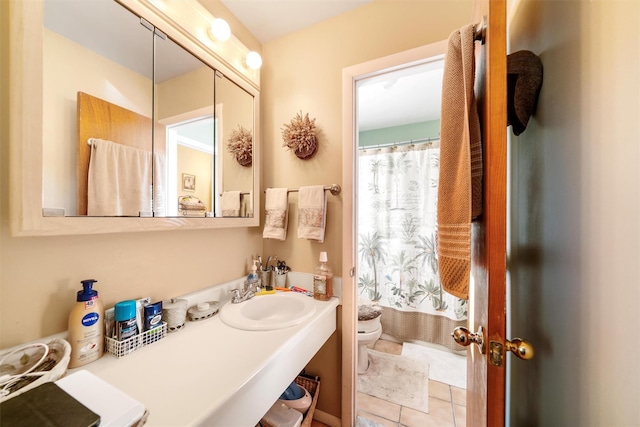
(210,374)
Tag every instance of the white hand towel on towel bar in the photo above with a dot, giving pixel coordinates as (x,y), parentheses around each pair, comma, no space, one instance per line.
(312,212)
(231,203)
(276,217)
(119,179)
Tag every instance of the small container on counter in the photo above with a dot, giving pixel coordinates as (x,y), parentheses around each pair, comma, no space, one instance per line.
(152,315)
(174,312)
(203,310)
(125,320)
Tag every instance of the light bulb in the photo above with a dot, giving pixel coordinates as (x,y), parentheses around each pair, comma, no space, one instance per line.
(253,60)
(220,30)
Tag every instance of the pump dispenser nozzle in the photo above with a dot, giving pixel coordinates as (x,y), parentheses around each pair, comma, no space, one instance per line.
(87,293)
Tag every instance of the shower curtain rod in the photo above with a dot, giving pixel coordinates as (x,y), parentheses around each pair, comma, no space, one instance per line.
(398,143)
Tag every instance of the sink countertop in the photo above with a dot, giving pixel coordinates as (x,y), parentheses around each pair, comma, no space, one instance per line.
(211,374)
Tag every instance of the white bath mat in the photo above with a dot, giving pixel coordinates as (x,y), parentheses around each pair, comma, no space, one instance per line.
(444,366)
(365,422)
(397,379)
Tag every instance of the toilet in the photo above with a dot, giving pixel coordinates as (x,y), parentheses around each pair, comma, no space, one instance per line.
(369,331)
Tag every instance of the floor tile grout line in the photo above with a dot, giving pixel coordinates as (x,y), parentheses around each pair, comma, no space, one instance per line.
(453,409)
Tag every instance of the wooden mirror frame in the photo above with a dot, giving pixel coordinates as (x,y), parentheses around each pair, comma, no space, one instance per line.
(25,125)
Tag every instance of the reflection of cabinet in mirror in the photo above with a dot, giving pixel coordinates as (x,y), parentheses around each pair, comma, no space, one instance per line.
(43,169)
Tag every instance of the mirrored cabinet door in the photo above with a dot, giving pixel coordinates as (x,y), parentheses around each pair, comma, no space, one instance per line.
(235,171)
(184,134)
(97,97)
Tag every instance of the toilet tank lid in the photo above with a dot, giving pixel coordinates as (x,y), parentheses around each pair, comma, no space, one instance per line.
(369,312)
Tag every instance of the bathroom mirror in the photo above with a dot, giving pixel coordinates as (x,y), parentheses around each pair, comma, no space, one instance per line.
(184,133)
(235,118)
(52,72)
(82,53)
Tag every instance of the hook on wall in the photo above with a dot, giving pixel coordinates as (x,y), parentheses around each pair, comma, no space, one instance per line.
(480,30)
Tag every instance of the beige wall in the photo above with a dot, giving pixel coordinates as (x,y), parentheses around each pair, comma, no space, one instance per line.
(575,217)
(199,164)
(303,71)
(185,93)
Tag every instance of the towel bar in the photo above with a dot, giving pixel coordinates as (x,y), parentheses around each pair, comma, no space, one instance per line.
(335,189)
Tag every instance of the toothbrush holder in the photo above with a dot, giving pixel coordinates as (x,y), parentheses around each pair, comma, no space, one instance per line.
(280,279)
(265,278)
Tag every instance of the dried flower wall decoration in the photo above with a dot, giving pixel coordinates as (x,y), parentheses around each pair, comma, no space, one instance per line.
(240,145)
(300,136)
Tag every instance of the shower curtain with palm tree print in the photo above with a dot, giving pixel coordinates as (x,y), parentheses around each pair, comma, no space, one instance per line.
(398,265)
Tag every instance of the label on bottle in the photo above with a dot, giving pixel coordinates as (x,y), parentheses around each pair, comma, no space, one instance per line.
(153,322)
(90,319)
(319,284)
(126,329)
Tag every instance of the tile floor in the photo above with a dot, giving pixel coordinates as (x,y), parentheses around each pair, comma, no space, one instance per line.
(447,404)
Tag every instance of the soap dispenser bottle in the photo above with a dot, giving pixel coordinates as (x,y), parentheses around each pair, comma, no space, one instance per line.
(323,280)
(253,279)
(86,326)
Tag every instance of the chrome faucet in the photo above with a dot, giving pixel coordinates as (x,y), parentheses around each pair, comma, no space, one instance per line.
(249,291)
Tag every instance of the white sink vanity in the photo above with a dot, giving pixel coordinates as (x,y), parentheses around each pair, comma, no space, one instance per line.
(211,374)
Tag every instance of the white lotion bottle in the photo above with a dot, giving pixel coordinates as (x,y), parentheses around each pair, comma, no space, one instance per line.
(86,327)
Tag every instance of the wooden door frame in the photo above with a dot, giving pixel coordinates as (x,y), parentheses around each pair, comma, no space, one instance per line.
(350,76)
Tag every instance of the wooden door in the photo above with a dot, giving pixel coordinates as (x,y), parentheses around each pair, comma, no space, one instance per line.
(486,382)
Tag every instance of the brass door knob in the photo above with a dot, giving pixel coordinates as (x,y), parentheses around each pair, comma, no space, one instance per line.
(521,348)
(465,337)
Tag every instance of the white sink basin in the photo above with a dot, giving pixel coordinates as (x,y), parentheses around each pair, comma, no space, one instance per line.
(269,312)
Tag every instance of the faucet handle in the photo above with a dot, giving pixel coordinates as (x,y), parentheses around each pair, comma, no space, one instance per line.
(250,286)
(236,295)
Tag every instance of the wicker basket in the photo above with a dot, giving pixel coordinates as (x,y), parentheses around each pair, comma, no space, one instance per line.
(312,385)
(54,366)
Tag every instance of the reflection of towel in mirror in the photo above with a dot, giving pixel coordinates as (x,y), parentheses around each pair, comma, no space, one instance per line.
(231,203)
(119,180)
(312,212)
(276,217)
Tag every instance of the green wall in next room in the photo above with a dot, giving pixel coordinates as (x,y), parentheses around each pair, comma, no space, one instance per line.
(430,129)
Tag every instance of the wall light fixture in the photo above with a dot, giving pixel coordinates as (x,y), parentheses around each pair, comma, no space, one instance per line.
(253,60)
(220,30)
